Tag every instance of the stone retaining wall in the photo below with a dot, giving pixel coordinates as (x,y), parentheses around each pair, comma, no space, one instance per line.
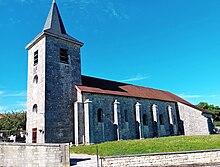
(34,155)
(163,159)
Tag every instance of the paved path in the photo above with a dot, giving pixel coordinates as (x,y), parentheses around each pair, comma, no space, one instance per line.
(82,160)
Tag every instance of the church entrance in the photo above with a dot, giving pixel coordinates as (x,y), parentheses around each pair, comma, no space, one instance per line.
(34,135)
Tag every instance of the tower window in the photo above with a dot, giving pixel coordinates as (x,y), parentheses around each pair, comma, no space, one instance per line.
(99,115)
(35,79)
(64,56)
(35,108)
(145,120)
(35,58)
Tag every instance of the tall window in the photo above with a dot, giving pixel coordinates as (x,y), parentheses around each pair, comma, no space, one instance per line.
(145,120)
(35,79)
(35,108)
(64,56)
(35,58)
(126,115)
(161,119)
(99,115)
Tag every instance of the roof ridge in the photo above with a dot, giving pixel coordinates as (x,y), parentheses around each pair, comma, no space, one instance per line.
(125,83)
(106,79)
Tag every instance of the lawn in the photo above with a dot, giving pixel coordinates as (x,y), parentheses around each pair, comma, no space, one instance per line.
(152,145)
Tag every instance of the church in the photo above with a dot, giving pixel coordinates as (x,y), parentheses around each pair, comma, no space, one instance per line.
(65,106)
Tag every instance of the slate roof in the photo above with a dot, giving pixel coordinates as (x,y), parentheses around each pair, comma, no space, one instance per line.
(54,26)
(102,86)
(54,21)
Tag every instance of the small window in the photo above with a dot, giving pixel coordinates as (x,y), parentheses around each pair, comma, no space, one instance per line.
(64,56)
(35,58)
(35,79)
(35,108)
(161,119)
(145,122)
(99,115)
(126,115)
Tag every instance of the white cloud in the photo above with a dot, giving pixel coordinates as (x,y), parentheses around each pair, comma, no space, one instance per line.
(214,96)
(2,109)
(87,7)
(198,96)
(136,78)
(13,94)
(14,21)
(190,96)
(21,104)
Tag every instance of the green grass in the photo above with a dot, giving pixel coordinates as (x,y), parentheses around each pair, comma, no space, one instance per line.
(153,145)
(217,123)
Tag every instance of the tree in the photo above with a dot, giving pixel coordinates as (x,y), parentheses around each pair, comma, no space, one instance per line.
(13,121)
(212,108)
(203,105)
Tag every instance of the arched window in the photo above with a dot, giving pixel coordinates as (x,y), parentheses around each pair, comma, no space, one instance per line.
(35,79)
(161,119)
(34,108)
(126,115)
(145,122)
(99,115)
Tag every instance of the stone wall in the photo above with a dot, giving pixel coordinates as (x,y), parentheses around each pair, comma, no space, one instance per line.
(54,93)
(34,155)
(194,122)
(36,92)
(130,129)
(60,90)
(164,159)
(177,119)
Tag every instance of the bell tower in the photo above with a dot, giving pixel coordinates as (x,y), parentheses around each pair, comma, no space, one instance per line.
(54,68)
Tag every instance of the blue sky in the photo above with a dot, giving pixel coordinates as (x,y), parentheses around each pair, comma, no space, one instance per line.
(170,45)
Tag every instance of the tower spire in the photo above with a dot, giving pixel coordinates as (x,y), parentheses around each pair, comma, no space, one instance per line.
(54,26)
(54,23)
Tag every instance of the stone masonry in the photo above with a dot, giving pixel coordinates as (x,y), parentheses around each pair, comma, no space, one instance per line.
(188,158)
(51,98)
(34,155)
(181,123)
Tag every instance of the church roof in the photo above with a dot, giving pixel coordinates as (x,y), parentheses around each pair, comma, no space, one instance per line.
(101,86)
(54,22)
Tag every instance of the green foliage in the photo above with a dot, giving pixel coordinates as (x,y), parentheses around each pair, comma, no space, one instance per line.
(153,145)
(13,121)
(214,109)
